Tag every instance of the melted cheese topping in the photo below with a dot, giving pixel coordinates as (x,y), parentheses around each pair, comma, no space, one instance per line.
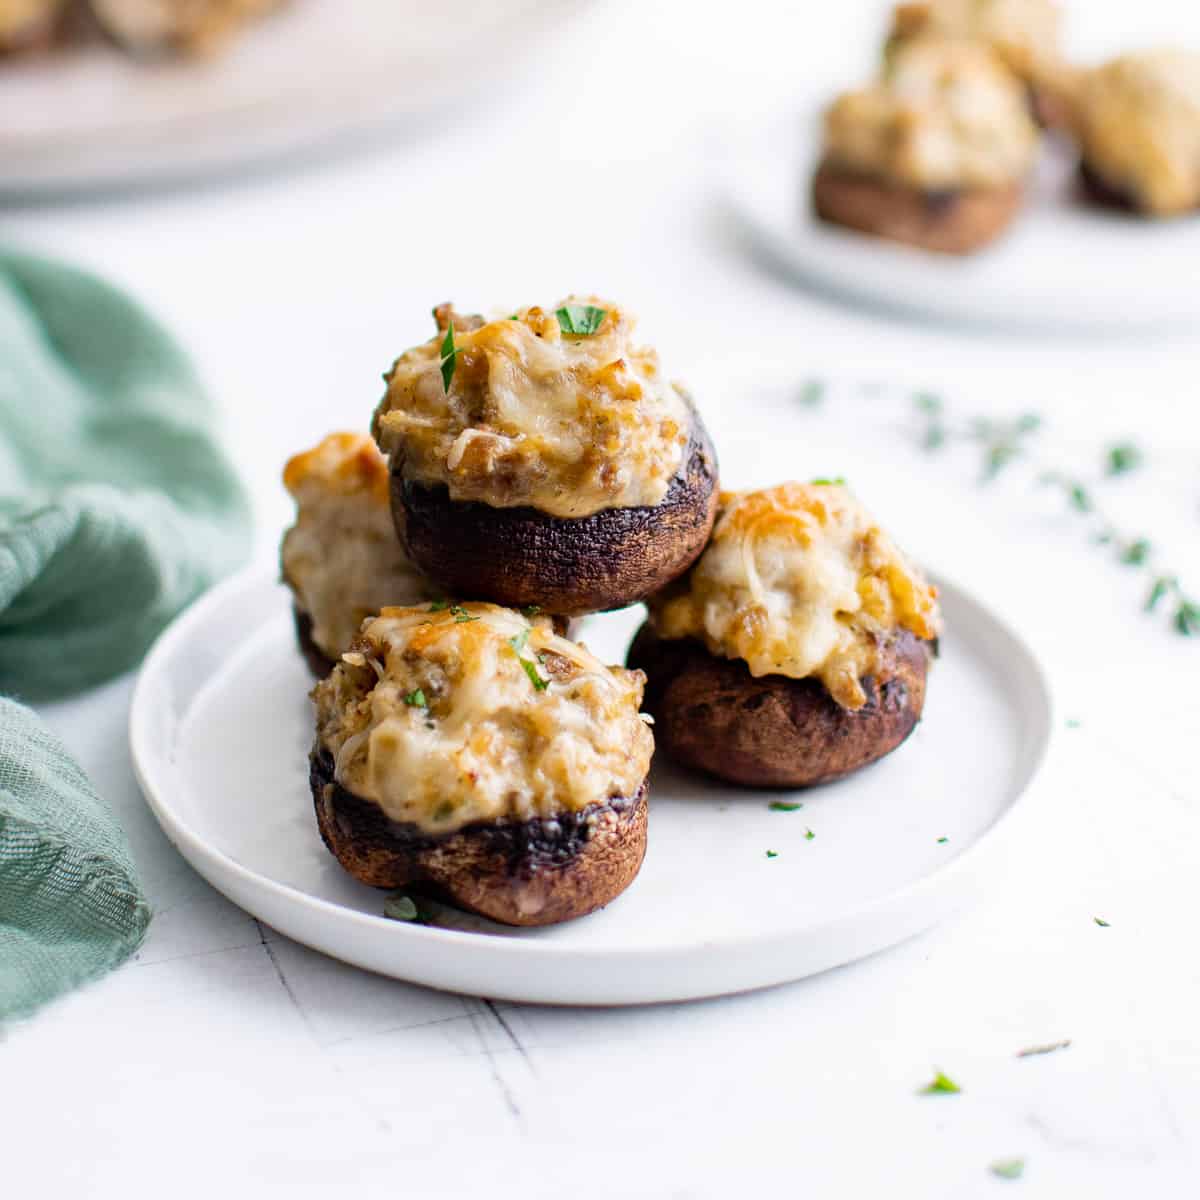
(342,558)
(1138,121)
(566,423)
(798,580)
(1025,33)
(945,115)
(435,716)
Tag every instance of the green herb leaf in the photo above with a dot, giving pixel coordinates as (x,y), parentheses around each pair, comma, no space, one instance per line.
(1161,587)
(1008,1168)
(772,854)
(531,610)
(1048,1048)
(927,402)
(461,616)
(416,699)
(401,908)
(1123,457)
(1136,552)
(940,1085)
(839,481)
(935,437)
(439,605)
(1101,922)
(580,319)
(450,353)
(812,392)
(809,835)
(534,677)
(1028,423)
(1072,723)
(517,642)
(942,841)
(1080,500)
(1187,618)
(784,806)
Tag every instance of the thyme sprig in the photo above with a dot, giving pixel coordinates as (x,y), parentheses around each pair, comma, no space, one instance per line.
(1003,442)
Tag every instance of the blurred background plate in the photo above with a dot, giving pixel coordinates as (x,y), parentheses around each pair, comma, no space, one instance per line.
(1062,266)
(94,116)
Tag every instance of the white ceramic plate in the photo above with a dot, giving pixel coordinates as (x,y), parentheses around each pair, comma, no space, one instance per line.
(314,72)
(1061,266)
(220,731)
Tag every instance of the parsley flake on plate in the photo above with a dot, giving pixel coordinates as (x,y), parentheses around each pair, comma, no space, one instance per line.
(783,806)
(1008,1168)
(940,1085)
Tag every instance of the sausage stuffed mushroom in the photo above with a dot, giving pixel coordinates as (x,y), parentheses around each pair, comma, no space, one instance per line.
(543,458)
(796,650)
(472,753)
(342,559)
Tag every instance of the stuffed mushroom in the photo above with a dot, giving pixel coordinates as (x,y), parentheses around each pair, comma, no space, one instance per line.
(543,458)
(342,559)
(28,24)
(1137,121)
(934,154)
(471,753)
(796,650)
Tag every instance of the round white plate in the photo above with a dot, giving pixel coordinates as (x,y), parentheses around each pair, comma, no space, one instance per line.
(1061,266)
(220,730)
(93,116)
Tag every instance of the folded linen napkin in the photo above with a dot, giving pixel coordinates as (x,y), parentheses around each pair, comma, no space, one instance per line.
(116,509)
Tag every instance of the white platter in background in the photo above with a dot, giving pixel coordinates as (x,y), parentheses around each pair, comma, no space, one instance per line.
(220,730)
(317,71)
(1062,266)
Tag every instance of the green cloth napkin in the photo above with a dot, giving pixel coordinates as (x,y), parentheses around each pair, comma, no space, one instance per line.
(116,510)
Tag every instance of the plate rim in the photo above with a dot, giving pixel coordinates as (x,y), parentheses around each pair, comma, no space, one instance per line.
(197,849)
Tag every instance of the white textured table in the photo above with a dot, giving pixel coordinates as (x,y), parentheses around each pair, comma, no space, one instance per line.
(228,1060)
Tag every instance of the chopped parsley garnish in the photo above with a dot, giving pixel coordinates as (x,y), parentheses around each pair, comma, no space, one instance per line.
(580,319)
(401,908)
(942,841)
(812,393)
(461,616)
(1008,1168)
(1048,1048)
(531,610)
(450,353)
(783,806)
(517,643)
(940,1085)
(1072,723)
(1101,922)
(838,481)
(416,699)
(772,854)
(1122,457)
(1136,553)
(439,605)
(809,835)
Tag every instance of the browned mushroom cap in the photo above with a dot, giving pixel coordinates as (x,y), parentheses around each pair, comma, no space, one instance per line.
(318,661)
(521,556)
(536,872)
(951,222)
(773,731)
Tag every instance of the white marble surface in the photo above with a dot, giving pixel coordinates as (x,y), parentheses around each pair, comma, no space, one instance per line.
(228,1060)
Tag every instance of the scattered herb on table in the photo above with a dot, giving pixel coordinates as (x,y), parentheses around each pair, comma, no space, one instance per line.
(1101,922)
(1003,442)
(940,1085)
(1072,723)
(809,835)
(942,841)
(838,481)
(772,854)
(1008,1168)
(812,392)
(580,319)
(784,806)
(1048,1048)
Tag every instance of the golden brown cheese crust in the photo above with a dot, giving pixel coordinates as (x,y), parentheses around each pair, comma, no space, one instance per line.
(568,424)
(944,115)
(1137,119)
(342,558)
(798,580)
(444,717)
(1024,33)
